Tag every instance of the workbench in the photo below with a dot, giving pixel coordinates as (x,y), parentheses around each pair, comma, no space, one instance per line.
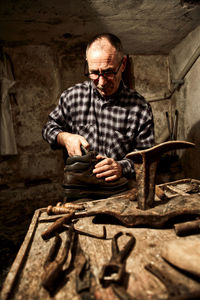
(24,278)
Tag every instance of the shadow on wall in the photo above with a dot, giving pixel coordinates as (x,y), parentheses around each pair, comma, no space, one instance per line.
(191,157)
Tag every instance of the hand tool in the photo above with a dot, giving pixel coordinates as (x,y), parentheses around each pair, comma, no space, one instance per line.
(58,210)
(114,271)
(53,251)
(64,208)
(53,267)
(175,124)
(169,126)
(187,228)
(145,165)
(173,288)
(73,206)
(88,233)
(83,273)
(57,226)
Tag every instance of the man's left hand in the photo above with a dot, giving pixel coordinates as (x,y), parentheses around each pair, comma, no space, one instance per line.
(107,168)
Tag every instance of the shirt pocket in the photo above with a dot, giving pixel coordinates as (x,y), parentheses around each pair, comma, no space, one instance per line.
(121,145)
(88,131)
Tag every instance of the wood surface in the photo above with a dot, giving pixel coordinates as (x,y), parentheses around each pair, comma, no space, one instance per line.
(24,280)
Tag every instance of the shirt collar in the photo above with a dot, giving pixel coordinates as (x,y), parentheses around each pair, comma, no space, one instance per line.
(111,97)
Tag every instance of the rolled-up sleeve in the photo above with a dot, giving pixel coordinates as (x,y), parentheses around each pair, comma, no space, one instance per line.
(57,122)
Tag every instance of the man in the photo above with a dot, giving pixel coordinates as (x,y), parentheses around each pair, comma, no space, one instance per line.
(102,114)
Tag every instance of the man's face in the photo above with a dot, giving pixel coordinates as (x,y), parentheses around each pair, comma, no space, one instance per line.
(102,56)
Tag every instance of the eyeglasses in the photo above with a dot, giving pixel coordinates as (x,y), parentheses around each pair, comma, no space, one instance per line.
(108,74)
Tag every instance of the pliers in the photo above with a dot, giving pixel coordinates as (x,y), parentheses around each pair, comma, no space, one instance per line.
(114,271)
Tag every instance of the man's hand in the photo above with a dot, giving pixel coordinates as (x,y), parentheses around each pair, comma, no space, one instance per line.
(72,142)
(108,168)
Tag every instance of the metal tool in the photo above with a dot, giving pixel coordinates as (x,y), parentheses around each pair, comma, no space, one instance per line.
(53,266)
(57,226)
(173,288)
(114,271)
(169,126)
(83,273)
(187,228)
(172,126)
(145,165)
(88,233)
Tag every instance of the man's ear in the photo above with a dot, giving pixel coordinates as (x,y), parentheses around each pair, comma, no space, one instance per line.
(124,63)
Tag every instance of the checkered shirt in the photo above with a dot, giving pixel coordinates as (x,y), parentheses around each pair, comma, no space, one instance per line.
(113,127)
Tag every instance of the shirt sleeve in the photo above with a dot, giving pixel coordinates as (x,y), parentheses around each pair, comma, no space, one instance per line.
(145,137)
(57,122)
(127,168)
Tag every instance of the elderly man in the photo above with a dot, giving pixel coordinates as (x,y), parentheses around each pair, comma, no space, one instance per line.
(102,114)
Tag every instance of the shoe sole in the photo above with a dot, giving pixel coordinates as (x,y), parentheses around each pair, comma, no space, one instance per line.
(74,193)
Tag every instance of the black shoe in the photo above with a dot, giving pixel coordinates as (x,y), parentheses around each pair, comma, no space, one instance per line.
(80,182)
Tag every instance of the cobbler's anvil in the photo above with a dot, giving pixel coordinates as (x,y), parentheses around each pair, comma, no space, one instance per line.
(145,164)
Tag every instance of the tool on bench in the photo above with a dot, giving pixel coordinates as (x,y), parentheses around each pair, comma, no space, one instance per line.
(83,272)
(57,226)
(173,288)
(64,208)
(65,223)
(114,271)
(53,266)
(187,228)
(88,233)
(145,164)
(172,128)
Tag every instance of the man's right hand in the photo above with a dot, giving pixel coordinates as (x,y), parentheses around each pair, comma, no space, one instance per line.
(72,142)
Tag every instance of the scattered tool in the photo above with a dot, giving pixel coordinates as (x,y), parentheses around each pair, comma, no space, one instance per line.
(83,273)
(54,266)
(88,233)
(173,288)
(169,126)
(145,164)
(187,228)
(54,210)
(57,226)
(172,128)
(114,271)
(73,206)
(64,208)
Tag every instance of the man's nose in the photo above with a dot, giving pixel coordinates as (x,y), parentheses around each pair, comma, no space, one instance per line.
(102,79)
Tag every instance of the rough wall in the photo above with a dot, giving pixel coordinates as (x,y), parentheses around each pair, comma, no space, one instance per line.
(152,81)
(30,179)
(187,100)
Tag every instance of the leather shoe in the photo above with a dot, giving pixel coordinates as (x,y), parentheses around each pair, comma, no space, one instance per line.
(80,182)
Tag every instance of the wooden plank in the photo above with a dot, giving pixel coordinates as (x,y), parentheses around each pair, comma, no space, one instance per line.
(20,258)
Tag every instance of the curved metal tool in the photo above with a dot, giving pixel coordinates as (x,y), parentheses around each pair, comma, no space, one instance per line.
(113,272)
(145,164)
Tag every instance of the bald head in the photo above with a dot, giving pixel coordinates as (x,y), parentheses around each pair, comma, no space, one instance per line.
(104,41)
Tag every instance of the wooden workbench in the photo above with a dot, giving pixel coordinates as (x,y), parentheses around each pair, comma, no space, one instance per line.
(24,278)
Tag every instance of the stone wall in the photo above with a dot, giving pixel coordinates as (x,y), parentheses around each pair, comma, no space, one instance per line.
(152,81)
(187,99)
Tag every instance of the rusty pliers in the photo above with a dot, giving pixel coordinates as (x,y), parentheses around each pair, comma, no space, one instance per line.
(114,271)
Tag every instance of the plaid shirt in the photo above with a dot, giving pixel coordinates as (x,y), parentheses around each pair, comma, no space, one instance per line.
(113,127)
